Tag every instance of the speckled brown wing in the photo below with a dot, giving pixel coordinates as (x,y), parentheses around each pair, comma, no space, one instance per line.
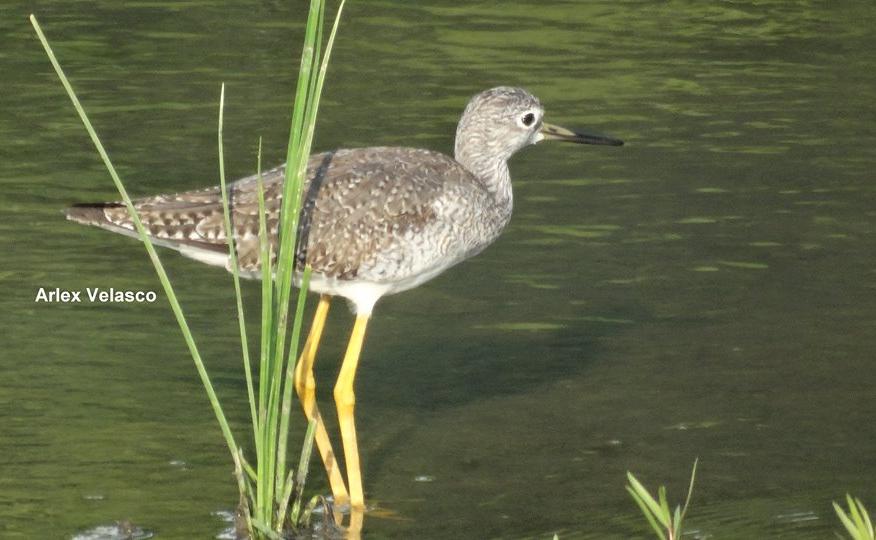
(356,205)
(174,221)
(368,200)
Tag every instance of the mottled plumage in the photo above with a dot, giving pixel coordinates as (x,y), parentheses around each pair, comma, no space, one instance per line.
(383,217)
(374,221)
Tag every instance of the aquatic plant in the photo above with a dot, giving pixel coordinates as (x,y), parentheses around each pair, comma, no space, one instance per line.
(666,524)
(857,521)
(271,493)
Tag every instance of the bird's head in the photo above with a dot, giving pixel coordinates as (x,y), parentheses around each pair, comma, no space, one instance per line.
(500,121)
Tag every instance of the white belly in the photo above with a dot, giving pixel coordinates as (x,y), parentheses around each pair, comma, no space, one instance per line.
(364,294)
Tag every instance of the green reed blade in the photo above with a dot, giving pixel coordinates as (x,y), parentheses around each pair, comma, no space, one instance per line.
(304,152)
(311,83)
(262,527)
(311,506)
(664,507)
(303,468)
(289,383)
(153,256)
(246,490)
(641,501)
(283,502)
(286,256)
(855,512)
(235,270)
(845,520)
(293,185)
(247,467)
(317,93)
(655,509)
(693,476)
(264,445)
(265,254)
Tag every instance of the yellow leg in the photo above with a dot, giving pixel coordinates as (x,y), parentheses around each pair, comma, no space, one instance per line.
(345,401)
(305,386)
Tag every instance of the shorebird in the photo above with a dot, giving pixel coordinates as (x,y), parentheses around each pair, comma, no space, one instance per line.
(374,221)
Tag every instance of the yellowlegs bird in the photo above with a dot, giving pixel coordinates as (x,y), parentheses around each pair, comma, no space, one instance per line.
(374,221)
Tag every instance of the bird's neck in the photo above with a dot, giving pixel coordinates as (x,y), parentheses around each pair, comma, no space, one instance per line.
(492,171)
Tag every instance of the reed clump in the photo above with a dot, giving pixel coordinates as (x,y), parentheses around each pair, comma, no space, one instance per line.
(271,489)
(666,523)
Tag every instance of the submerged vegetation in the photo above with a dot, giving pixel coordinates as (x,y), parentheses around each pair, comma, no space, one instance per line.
(271,490)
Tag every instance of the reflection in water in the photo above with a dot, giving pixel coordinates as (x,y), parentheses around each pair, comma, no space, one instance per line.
(357,520)
(732,237)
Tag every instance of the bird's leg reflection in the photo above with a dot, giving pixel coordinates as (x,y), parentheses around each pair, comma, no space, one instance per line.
(305,386)
(357,517)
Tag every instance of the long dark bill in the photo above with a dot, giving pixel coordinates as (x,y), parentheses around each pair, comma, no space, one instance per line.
(550,132)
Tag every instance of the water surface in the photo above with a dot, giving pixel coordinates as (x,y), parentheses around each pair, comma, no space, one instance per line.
(706,290)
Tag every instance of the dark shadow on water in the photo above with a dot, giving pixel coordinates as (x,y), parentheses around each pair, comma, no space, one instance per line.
(446,365)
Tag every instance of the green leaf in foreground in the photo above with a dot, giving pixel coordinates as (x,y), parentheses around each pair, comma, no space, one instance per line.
(235,271)
(857,521)
(150,249)
(667,524)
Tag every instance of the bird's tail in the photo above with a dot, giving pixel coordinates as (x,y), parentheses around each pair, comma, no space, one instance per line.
(91,213)
(113,216)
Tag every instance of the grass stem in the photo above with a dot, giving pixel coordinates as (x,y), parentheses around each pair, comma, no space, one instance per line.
(150,249)
(235,271)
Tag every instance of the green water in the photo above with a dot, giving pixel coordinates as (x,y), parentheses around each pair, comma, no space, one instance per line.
(707,290)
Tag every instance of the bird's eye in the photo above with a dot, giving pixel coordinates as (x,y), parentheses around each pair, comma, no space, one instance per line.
(528,119)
